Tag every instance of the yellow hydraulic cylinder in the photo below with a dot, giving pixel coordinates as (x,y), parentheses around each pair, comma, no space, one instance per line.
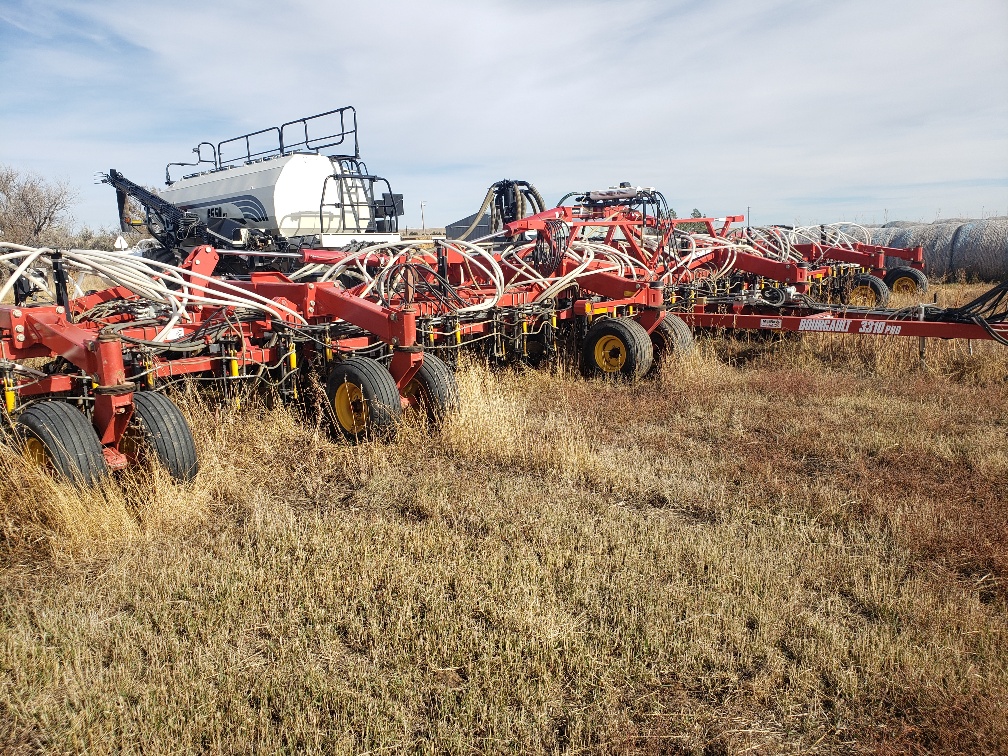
(292,366)
(10,395)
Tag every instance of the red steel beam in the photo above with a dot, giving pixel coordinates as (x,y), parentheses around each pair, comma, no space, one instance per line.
(863,324)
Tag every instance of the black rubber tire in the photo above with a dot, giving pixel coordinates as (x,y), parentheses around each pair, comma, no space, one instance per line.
(161,255)
(896,278)
(436,389)
(71,446)
(536,355)
(158,431)
(671,338)
(380,396)
(635,341)
(876,284)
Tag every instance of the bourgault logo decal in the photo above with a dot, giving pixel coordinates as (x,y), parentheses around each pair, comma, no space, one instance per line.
(826,325)
(842,325)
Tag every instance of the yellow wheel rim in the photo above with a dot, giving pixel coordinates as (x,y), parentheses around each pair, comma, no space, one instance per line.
(862,296)
(36,452)
(351,408)
(904,285)
(610,354)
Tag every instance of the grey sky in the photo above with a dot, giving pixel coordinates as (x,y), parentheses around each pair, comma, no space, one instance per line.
(803,110)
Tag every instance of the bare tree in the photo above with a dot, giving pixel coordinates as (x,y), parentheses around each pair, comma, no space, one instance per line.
(32,207)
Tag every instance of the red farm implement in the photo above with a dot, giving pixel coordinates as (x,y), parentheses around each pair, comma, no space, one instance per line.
(711,275)
(612,281)
(92,402)
(835,264)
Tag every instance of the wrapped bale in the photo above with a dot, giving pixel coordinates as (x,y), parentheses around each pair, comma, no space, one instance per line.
(980,250)
(903,237)
(900,237)
(936,239)
(883,235)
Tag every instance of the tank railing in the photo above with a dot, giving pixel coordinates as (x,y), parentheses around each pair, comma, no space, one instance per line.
(317,143)
(347,164)
(356,193)
(248,155)
(279,142)
(355,173)
(353,194)
(198,149)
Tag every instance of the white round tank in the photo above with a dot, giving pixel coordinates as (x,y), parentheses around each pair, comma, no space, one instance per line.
(280,195)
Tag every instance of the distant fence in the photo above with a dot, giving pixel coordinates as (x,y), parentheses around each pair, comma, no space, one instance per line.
(973,248)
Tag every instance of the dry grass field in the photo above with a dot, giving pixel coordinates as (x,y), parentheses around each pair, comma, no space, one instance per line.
(795,546)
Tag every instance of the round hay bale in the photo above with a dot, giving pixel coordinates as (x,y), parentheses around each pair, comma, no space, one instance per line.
(883,235)
(980,250)
(904,237)
(935,238)
(900,224)
(901,237)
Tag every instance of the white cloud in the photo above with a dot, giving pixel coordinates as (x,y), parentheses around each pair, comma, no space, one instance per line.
(809,109)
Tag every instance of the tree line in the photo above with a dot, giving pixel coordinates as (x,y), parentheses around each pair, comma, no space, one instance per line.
(37,212)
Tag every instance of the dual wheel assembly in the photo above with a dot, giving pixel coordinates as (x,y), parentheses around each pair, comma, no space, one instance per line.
(906,281)
(57,436)
(621,348)
(873,292)
(366,402)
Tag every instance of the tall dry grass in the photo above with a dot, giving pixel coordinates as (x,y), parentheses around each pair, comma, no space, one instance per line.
(772,547)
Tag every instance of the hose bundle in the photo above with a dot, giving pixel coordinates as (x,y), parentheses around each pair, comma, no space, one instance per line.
(987,310)
(550,245)
(507,201)
(175,289)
